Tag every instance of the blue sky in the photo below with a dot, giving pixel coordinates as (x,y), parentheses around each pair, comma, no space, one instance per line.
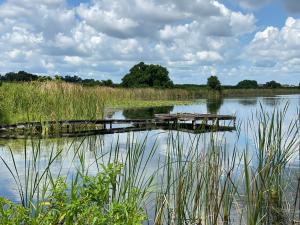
(102,39)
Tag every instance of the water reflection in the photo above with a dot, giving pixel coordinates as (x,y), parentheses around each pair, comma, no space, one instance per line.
(213,105)
(146,113)
(248,101)
(272,101)
(100,145)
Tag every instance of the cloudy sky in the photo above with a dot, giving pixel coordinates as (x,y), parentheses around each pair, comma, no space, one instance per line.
(102,39)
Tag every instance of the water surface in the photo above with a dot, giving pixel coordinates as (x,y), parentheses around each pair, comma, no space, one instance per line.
(244,108)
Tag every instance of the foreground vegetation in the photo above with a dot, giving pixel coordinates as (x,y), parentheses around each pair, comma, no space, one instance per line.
(197,179)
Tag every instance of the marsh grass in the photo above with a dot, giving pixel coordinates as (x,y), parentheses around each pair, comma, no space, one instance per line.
(199,179)
(36,101)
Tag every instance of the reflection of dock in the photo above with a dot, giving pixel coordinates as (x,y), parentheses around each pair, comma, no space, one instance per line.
(185,122)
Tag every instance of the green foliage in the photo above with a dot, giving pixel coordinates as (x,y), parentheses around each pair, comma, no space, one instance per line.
(12,214)
(87,201)
(143,75)
(214,83)
(20,76)
(247,84)
(272,84)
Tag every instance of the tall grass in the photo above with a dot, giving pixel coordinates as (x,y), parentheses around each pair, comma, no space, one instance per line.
(199,179)
(266,181)
(37,101)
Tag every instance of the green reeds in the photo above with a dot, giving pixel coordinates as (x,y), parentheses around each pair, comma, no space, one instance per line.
(35,101)
(266,174)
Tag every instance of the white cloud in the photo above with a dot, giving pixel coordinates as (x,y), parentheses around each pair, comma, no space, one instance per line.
(107,21)
(170,32)
(274,45)
(105,38)
(209,56)
(21,36)
(74,60)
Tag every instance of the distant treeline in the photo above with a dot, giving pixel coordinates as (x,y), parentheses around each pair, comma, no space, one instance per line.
(26,77)
(131,80)
(244,84)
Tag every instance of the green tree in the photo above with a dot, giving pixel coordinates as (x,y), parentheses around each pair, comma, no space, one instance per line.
(108,83)
(143,75)
(214,83)
(272,84)
(58,77)
(247,84)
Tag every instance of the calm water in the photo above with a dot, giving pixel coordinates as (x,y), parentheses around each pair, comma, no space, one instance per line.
(66,164)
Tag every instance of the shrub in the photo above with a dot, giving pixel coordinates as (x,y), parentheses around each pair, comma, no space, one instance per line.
(89,200)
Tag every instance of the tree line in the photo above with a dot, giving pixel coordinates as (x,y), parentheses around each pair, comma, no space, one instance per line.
(140,75)
(27,77)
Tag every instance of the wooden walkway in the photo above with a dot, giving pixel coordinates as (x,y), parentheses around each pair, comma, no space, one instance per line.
(186,122)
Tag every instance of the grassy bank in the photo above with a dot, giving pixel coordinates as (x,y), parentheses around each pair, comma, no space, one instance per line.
(198,180)
(36,101)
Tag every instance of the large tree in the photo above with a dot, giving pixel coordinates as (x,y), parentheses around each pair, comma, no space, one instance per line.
(272,84)
(143,75)
(214,83)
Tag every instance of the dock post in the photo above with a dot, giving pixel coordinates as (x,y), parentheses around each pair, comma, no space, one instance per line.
(194,124)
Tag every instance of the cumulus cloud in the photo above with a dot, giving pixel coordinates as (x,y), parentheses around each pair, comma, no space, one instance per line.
(277,51)
(103,38)
(277,45)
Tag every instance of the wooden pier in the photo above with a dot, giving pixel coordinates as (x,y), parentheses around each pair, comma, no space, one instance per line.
(186,122)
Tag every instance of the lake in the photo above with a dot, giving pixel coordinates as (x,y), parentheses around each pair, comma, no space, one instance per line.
(100,147)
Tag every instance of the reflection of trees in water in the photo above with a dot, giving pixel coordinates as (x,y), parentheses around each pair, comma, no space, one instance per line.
(146,113)
(272,101)
(248,102)
(214,105)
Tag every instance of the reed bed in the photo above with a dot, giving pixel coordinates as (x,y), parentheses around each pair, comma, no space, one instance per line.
(198,179)
(36,101)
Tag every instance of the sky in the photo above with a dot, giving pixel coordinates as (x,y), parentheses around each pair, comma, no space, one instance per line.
(102,39)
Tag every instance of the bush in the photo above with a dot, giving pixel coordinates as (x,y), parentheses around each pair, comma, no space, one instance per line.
(87,202)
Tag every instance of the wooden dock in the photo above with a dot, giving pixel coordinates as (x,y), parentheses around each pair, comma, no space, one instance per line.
(186,122)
